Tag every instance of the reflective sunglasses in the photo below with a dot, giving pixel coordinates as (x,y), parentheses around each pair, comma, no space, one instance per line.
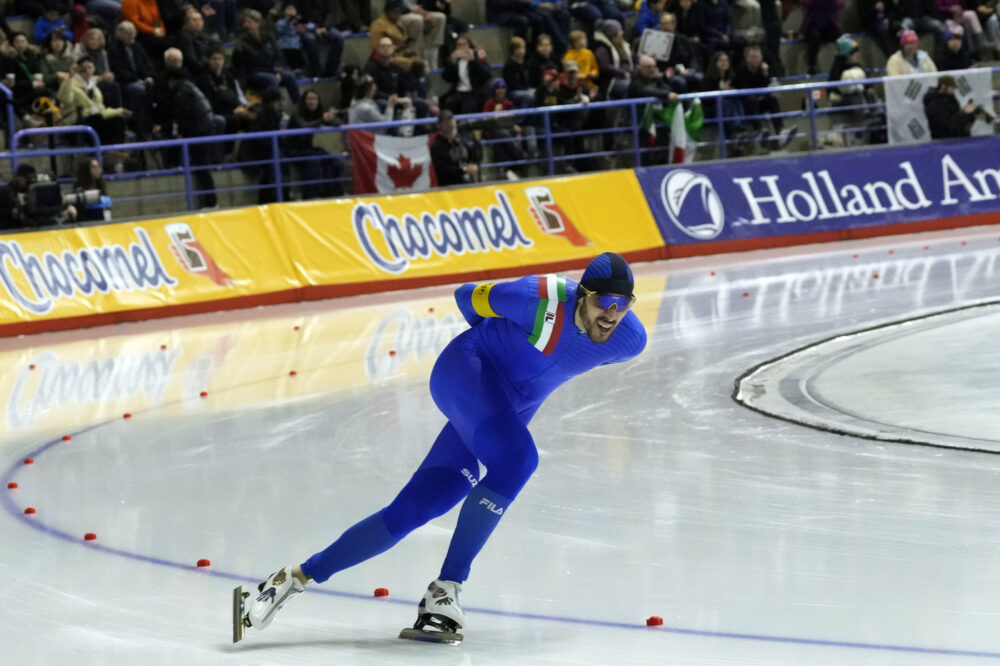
(605,301)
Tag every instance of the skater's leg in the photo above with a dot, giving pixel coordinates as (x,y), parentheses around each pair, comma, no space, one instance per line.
(485,419)
(504,444)
(442,480)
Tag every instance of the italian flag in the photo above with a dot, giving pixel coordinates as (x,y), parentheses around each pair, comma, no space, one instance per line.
(550,314)
(685,128)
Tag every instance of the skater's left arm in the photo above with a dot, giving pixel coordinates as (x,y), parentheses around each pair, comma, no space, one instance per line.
(514,300)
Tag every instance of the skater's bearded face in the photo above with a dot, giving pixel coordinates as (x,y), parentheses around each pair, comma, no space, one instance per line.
(598,314)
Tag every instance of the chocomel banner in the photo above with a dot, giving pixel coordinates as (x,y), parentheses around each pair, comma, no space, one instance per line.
(287,252)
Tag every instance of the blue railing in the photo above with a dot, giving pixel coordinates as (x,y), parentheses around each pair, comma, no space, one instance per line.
(562,136)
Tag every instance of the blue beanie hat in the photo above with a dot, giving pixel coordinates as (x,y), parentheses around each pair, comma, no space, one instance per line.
(608,273)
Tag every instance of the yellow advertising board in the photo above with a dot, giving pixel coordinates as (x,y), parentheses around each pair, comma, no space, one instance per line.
(296,251)
(469,230)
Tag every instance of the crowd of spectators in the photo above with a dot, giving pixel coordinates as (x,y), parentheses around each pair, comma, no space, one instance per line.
(135,70)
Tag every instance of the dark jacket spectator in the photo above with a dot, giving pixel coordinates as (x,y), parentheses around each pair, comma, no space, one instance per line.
(130,63)
(945,117)
(953,55)
(452,159)
(614,59)
(717,27)
(542,60)
(222,90)
(468,73)
(194,43)
(649,82)
(321,171)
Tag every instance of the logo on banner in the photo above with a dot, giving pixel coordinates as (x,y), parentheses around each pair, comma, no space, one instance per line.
(192,257)
(37,281)
(692,204)
(391,243)
(550,216)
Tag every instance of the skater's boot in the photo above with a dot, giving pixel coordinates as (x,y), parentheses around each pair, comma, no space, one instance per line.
(272,595)
(440,608)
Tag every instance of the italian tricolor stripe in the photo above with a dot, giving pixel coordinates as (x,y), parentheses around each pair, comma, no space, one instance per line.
(549,315)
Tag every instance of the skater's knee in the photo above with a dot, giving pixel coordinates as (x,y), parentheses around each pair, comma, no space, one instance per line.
(431,492)
(508,477)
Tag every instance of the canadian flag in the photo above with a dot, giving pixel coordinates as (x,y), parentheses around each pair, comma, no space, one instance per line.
(388,164)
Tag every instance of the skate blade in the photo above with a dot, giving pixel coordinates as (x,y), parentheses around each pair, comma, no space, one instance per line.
(238,628)
(446,637)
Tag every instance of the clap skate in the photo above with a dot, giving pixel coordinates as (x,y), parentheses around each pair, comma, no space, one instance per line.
(439,616)
(257,609)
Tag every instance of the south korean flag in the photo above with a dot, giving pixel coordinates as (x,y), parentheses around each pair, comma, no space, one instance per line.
(904,102)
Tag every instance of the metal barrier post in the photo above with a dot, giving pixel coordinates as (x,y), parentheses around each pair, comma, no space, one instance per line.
(721,133)
(636,150)
(276,160)
(186,163)
(550,158)
(811,110)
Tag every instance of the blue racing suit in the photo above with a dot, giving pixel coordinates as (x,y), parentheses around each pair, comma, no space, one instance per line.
(489,382)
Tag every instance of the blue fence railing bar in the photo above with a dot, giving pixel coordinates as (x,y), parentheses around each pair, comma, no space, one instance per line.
(596,135)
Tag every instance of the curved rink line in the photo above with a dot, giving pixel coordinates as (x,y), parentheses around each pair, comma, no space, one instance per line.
(11,508)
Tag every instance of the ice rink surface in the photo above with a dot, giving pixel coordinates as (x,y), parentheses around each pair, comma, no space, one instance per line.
(757,539)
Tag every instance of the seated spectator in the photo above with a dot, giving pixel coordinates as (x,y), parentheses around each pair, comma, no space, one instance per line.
(191,113)
(986,10)
(516,74)
(152,32)
(425,29)
(552,92)
(945,117)
(880,23)
(57,59)
(614,59)
(81,103)
(90,179)
(453,26)
(389,26)
(364,109)
(953,55)
(719,76)
(453,158)
(752,73)
(649,16)
(847,67)
(690,23)
(511,14)
(585,60)
(468,72)
(592,12)
(263,115)
(820,24)
(682,69)
(108,11)
(194,43)
(222,90)
(718,33)
(649,82)
(910,58)
(299,36)
(321,171)
(51,19)
(391,79)
(955,14)
(506,130)
(256,56)
(23,72)
(134,74)
(542,60)
(921,16)
(553,19)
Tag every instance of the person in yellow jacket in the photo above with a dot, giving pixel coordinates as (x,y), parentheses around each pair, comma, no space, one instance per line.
(81,103)
(585,58)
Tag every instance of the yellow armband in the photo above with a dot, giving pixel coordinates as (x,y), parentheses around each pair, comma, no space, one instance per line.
(481,301)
